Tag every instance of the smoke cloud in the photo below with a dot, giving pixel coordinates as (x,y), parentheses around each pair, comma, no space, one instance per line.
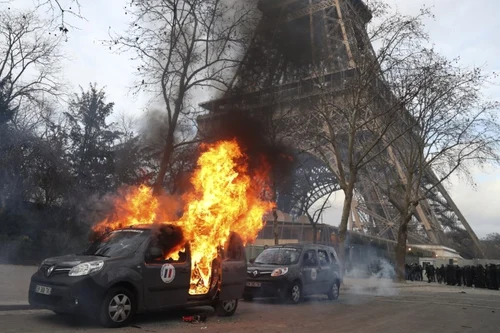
(376,280)
(255,137)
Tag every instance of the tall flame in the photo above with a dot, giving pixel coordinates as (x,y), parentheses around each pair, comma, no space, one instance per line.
(225,198)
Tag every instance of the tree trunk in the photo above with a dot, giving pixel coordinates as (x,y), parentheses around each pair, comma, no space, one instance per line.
(315,233)
(275,227)
(165,161)
(401,248)
(346,211)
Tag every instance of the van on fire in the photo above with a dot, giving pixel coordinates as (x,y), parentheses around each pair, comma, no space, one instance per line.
(127,271)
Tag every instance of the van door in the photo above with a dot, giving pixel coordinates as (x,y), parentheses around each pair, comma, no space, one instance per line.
(325,273)
(309,271)
(166,281)
(234,269)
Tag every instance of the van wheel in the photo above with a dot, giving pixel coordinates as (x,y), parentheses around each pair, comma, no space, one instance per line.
(295,293)
(248,297)
(226,308)
(334,291)
(117,308)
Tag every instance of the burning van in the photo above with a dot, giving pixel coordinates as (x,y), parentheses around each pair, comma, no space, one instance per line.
(138,269)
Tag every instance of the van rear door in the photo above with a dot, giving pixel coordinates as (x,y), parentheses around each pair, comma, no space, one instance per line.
(234,269)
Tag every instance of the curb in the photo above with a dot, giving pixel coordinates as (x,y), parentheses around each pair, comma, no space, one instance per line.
(15,307)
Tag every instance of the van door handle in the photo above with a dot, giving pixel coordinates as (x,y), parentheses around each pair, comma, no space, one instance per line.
(225,269)
(184,270)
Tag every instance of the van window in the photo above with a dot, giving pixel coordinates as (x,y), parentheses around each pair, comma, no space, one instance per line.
(171,243)
(333,257)
(234,249)
(119,243)
(310,258)
(323,258)
(279,256)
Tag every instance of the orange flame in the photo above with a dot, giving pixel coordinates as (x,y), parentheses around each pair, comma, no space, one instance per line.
(138,207)
(225,198)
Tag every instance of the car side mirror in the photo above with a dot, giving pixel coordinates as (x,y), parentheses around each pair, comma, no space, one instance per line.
(252,260)
(155,253)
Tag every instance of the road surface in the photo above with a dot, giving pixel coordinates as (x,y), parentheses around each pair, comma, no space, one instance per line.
(424,309)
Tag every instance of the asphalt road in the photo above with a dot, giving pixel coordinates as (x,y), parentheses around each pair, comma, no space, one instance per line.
(425,309)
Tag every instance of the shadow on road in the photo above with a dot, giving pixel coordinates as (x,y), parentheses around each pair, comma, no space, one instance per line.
(173,316)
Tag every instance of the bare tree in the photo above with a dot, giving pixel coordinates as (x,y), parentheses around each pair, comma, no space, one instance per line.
(315,212)
(29,58)
(356,111)
(59,11)
(452,128)
(184,47)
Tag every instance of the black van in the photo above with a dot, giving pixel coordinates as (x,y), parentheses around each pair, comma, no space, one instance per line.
(292,271)
(124,272)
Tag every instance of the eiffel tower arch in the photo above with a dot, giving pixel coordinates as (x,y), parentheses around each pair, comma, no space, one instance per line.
(297,45)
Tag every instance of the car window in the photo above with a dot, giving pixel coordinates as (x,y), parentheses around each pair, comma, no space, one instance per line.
(333,257)
(310,258)
(117,243)
(234,249)
(279,256)
(323,258)
(171,244)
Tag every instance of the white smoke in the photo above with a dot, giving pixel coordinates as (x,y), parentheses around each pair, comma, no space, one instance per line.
(361,281)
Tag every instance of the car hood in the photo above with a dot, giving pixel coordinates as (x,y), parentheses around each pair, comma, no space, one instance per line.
(72,260)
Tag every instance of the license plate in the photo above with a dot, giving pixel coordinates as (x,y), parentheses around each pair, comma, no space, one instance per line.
(43,290)
(253,284)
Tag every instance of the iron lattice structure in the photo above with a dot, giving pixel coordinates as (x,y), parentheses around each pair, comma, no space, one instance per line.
(304,49)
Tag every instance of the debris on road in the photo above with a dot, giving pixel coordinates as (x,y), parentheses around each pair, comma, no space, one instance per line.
(195,319)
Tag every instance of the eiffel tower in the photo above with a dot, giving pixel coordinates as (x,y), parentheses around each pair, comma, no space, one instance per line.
(297,44)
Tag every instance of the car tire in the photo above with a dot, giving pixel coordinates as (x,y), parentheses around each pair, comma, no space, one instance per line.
(248,297)
(295,293)
(226,308)
(117,308)
(334,291)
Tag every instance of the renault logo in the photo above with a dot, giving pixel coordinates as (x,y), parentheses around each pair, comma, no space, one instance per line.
(255,273)
(50,269)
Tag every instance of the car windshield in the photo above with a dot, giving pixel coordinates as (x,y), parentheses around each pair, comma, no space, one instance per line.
(117,243)
(278,256)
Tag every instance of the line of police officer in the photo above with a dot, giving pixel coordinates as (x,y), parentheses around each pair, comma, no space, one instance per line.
(413,272)
(478,276)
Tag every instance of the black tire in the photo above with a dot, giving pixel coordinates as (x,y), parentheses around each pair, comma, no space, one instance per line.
(334,291)
(248,297)
(295,293)
(226,308)
(117,308)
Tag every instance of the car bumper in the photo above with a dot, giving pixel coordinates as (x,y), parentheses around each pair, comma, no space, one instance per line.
(268,288)
(78,295)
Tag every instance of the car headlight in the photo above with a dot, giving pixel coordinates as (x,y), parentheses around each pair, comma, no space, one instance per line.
(86,268)
(280,271)
(43,263)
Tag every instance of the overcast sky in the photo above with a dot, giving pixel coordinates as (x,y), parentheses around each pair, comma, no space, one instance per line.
(469,29)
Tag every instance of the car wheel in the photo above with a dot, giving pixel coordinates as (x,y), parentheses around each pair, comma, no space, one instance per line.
(334,291)
(117,308)
(248,297)
(295,293)
(226,308)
